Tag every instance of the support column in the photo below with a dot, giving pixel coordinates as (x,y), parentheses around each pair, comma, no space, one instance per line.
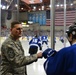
(52,25)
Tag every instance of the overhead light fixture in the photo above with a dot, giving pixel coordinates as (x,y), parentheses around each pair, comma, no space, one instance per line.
(34,8)
(50,6)
(39,9)
(71,4)
(21,8)
(16,5)
(61,5)
(3,7)
(57,5)
(42,7)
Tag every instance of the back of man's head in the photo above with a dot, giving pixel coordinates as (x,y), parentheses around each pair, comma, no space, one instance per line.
(72,30)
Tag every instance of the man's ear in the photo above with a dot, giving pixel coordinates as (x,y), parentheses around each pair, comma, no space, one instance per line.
(71,36)
(11,29)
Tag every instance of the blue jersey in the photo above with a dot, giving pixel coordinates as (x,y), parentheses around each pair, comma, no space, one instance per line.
(62,39)
(62,63)
(45,38)
(40,37)
(34,42)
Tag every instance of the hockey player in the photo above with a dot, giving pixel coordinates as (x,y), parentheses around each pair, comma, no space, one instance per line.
(34,45)
(45,40)
(62,62)
(62,39)
(40,42)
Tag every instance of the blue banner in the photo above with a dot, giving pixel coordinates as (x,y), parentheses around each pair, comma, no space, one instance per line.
(40,19)
(37,17)
(44,19)
(34,18)
(30,17)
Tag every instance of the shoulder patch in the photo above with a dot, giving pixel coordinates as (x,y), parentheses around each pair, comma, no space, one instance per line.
(10,53)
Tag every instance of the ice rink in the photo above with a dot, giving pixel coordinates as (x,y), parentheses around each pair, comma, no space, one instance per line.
(36,68)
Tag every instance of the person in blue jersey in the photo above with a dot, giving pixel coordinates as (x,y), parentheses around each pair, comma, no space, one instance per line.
(62,62)
(27,37)
(45,40)
(40,43)
(34,45)
(55,40)
(62,39)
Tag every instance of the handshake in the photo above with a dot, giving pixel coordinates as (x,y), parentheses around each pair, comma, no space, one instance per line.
(47,53)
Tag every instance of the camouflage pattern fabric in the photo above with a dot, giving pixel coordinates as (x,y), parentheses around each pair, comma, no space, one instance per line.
(13,59)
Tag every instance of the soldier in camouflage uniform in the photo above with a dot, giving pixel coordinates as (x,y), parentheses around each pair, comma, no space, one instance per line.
(13,60)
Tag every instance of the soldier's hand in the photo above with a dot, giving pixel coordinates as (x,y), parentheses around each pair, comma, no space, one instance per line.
(39,55)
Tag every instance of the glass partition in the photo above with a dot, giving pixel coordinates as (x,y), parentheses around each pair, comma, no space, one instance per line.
(9,11)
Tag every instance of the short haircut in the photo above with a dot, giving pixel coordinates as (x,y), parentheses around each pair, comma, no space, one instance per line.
(14,23)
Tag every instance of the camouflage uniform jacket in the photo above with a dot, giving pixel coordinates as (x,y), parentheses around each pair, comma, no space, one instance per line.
(13,59)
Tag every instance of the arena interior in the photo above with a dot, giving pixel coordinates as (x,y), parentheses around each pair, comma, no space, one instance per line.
(35,16)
